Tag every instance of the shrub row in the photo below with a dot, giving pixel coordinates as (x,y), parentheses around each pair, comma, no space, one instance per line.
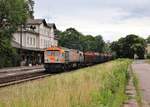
(112,92)
(9,58)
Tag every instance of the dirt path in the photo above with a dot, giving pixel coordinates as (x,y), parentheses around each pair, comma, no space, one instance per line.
(142,70)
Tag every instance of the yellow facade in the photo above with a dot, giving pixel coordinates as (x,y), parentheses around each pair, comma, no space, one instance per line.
(148,49)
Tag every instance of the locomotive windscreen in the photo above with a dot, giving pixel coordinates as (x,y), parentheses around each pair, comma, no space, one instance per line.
(53,53)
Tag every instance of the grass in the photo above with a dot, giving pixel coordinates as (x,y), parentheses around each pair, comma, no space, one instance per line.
(147,61)
(137,88)
(98,86)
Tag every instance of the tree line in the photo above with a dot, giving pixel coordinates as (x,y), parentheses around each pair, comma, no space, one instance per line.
(126,47)
(129,47)
(71,38)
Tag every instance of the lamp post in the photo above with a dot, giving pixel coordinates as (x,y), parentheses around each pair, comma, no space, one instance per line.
(21,28)
(21,31)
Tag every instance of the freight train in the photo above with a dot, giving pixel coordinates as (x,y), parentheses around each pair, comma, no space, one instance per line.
(60,58)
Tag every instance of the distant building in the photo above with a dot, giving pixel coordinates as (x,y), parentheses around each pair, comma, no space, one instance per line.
(148,49)
(33,38)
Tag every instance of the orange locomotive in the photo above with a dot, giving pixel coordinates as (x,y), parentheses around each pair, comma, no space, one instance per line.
(62,58)
(54,55)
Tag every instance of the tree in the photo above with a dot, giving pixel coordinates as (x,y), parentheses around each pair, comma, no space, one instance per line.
(71,38)
(107,48)
(91,43)
(129,46)
(100,44)
(13,13)
(148,39)
(31,8)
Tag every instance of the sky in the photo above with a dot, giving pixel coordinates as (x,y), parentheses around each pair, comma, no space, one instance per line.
(112,19)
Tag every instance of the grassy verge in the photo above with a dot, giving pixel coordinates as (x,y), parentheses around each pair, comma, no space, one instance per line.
(98,86)
(147,61)
(137,88)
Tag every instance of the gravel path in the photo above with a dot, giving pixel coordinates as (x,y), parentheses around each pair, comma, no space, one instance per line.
(142,70)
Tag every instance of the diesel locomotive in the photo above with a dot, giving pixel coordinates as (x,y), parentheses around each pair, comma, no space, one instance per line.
(60,58)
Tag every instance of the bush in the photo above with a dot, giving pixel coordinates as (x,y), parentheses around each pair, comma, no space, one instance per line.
(112,93)
(9,58)
(148,56)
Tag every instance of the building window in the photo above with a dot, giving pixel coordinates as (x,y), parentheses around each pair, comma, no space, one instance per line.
(44,43)
(47,44)
(47,33)
(33,41)
(30,40)
(41,42)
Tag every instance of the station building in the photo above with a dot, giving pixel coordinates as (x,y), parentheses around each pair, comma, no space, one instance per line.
(31,39)
(148,49)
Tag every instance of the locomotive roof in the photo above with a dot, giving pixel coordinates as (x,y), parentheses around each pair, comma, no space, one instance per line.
(58,48)
(61,48)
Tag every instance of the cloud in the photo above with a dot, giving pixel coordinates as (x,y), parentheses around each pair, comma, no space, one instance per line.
(110,18)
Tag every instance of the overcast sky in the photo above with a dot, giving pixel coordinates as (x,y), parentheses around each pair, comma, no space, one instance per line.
(110,18)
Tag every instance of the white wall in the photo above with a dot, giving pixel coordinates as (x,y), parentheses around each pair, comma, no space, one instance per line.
(28,39)
(43,39)
(46,37)
(31,40)
(44,42)
(16,37)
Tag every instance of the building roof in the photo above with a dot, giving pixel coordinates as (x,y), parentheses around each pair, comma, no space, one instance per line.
(40,21)
(18,46)
(36,21)
(52,25)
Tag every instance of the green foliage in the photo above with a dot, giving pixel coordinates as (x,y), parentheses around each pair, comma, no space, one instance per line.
(107,47)
(129,46)
(137,87)
(148,39)
(112,93)
(13,13)
(9,58)
(71,38)
(148,56)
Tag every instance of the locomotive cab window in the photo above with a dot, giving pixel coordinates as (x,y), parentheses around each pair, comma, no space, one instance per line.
(63,55)
(53,53)
(48,52)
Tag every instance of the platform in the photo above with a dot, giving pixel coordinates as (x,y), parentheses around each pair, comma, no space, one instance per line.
(21,68)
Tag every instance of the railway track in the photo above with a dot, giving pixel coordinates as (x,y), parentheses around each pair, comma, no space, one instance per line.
(8,79)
